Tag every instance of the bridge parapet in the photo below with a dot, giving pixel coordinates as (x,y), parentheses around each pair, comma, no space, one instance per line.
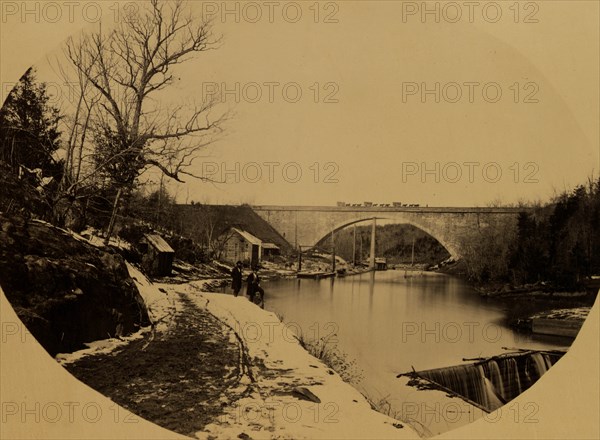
(435,209)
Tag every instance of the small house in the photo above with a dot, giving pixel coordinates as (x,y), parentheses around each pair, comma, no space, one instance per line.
(242,246)
(270,250)
(381,263)
(157,258)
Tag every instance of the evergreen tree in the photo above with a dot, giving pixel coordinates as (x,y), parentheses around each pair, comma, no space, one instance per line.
(29,134)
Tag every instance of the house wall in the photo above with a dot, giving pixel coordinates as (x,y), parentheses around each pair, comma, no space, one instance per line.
(157,263)
(237,248)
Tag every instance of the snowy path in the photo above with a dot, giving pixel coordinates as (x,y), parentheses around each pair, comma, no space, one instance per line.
(291,394)
(180,378)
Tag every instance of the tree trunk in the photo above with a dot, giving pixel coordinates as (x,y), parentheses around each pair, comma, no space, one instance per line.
(113,217)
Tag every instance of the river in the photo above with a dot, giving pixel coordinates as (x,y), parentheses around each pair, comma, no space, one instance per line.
(392,321)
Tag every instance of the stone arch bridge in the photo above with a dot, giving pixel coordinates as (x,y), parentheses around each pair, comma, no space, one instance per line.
(452,227)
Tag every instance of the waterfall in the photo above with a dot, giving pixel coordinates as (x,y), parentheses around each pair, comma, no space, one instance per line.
(493,400)
(495,381)
(495,375)
(512,378)
(537,360)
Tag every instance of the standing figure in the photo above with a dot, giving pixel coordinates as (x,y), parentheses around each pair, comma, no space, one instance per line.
(255,293)
(236,278)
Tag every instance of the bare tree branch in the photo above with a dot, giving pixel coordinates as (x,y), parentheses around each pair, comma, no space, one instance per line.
(121,74)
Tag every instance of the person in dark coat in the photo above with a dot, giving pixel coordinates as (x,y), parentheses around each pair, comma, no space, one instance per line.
(236,278)
(255,293)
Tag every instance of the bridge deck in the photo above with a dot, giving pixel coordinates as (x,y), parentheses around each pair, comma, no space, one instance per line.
(434,209)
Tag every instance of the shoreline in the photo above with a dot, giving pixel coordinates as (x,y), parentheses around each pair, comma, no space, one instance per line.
(539,290)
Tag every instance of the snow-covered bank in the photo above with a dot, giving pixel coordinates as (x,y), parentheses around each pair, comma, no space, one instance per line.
(288,393)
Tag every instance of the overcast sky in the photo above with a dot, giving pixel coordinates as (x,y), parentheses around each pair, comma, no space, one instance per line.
(360,130)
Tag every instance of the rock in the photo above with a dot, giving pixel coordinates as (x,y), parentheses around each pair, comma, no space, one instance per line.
(304,393)
(66,291)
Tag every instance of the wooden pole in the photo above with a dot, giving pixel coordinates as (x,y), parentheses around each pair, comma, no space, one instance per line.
(354,245)
(372,256)
(333,250)
(360,256)
(298,248)
(113,217)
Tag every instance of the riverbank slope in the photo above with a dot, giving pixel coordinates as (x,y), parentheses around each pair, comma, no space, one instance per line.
(216,366)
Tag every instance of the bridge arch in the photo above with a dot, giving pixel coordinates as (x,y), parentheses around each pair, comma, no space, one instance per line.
(342,225)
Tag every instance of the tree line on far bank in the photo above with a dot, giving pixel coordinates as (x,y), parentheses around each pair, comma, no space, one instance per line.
(555,243)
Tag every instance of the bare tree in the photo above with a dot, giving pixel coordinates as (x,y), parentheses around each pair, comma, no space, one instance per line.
(127,69)
(78,174)
(218,244)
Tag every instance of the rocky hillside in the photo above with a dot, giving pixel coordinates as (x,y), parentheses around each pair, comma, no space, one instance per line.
(65,290)
(222,217)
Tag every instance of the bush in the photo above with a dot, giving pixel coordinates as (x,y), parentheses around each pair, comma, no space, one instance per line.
(187,250)
(327,352)
(133,233)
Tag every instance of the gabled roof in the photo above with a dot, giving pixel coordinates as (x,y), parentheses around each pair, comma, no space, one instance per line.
(159,243)
(248,236)
(270,246)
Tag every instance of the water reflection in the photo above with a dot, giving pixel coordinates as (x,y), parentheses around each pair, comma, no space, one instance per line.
(426,320)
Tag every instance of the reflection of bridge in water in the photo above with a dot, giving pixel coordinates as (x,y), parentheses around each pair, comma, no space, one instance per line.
(453,227)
